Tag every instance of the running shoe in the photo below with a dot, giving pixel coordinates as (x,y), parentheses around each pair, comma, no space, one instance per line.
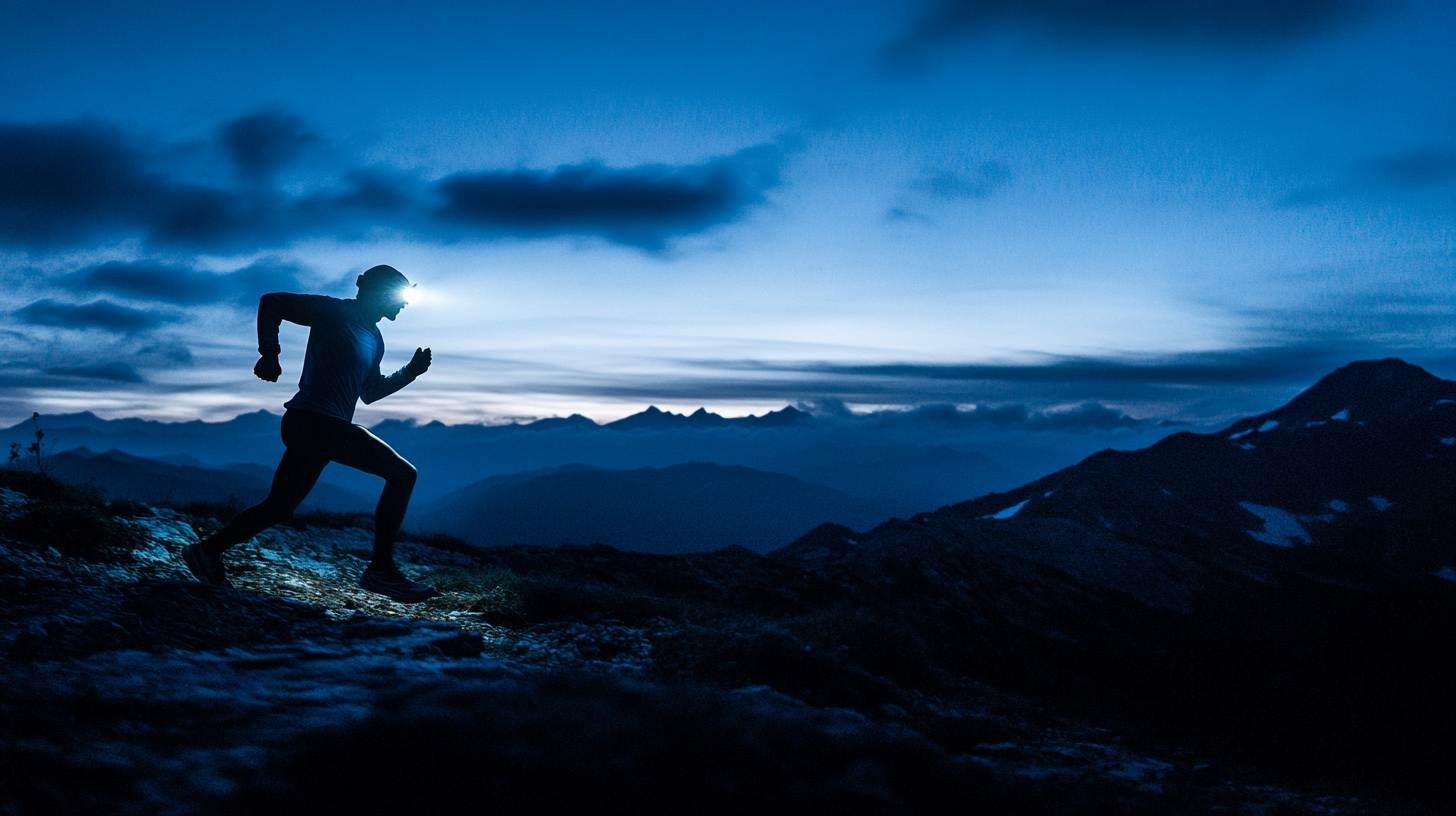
(206,568)
(392,583)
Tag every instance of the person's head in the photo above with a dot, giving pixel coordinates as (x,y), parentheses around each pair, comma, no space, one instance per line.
(383,291)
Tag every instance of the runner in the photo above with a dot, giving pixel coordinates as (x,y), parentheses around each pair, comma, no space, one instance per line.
(340,367)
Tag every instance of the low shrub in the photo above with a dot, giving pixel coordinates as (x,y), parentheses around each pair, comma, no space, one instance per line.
(75,521)
(554,599)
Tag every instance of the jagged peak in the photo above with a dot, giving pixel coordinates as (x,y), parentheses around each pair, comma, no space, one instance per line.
(1366,390)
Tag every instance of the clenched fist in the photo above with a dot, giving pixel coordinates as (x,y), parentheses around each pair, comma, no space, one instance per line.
(267,368)
(420,363)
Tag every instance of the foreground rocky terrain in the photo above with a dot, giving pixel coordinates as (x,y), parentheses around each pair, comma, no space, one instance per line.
(130,688)
(1007,655)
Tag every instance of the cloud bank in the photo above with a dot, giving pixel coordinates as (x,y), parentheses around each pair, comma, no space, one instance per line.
(640,206)
(85,183)
(98,314)
(184,284)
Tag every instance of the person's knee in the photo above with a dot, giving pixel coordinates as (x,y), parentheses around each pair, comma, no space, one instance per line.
(404,474)
(276,510)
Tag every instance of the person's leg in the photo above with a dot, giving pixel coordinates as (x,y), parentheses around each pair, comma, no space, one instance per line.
(367,452)
(292,481)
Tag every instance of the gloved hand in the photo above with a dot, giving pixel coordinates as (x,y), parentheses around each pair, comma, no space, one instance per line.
(267,368)
(420,363)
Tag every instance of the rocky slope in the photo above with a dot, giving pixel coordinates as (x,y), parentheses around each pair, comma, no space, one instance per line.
(540,679)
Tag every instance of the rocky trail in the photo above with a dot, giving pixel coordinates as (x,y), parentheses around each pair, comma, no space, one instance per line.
(130,688)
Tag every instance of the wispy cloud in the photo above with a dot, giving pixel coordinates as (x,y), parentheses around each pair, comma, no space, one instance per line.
(1217,24)
(989,177)
(110,372)
(1176,378)
(1417,167)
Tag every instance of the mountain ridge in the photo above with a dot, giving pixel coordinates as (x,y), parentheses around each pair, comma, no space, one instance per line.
(688,507)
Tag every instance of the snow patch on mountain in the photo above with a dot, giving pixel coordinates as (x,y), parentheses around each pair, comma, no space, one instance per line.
(1008,512)
(1380,502)
(1269,425)
(1343,415)
(1280,526)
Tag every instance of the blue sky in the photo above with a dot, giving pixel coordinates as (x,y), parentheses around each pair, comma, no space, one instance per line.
(1186,210)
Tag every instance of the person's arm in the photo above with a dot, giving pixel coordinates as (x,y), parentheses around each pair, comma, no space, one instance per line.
(273,309)
(377,386)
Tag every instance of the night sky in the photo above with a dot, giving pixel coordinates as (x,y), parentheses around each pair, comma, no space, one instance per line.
(1182,210)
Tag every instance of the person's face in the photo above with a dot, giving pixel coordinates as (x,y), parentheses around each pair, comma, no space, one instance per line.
(386,302)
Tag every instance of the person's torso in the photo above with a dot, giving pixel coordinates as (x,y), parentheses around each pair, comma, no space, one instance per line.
(343,350)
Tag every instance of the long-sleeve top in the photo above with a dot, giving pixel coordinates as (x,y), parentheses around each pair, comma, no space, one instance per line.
(341,365)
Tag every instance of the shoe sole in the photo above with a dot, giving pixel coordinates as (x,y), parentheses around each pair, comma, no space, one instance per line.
(198,569)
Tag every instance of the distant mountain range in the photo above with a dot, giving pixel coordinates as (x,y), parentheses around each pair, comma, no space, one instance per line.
(691,507)
(654,419)
(910,469)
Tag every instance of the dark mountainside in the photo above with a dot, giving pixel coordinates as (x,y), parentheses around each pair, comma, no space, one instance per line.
(1196,627)
(692,507)
(936,476)
(119,475)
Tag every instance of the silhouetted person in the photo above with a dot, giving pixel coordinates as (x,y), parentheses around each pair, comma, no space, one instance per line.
(340,367)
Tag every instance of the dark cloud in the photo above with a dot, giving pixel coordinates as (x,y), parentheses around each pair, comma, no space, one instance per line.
(99,314)
(64,183)
(172,283)
(78,184)
(1207,23)
(262,143)
(111,372)
(369,190)
(641,206)
(1428,164)
(988,178)
(75,183)
(1423,165)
